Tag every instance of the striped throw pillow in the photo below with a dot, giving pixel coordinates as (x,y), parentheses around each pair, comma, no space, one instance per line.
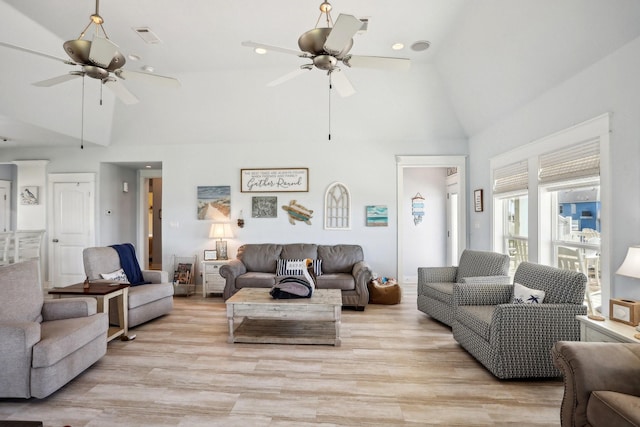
(290,267)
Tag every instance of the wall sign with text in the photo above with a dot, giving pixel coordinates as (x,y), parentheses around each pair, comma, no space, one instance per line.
(274,180)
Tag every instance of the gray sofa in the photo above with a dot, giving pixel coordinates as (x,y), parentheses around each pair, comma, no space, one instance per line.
(435,284)
(45,343)
(601,383)
(514,340)
(146,302)
(343,267)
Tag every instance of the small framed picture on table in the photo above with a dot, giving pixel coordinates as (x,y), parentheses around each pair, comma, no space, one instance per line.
(210,255)
(478,201)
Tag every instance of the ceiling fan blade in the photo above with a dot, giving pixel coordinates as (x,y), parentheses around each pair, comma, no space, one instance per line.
(341,83)
(121,92)
(148,77)
(57,80)
(287,77)
(344,29)
(379,62)
(274,48)
(35,52)
(102,51)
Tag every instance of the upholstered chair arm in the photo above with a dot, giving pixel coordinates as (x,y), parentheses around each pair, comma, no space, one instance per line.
(155,276)
(68,308)
(230,271)
(16,352)
(487,279)
(437,274)
(482,293)
(362,275)
(18,336)
(592,366)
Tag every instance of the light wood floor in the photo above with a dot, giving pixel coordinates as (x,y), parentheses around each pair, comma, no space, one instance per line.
(396,367)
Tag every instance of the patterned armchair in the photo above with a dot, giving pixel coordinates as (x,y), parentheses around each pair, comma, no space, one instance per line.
(515,340)
(435,284)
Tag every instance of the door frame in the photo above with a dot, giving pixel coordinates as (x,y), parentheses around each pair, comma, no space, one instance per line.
(55,178)
(403,162)
(7,213)
(144,175)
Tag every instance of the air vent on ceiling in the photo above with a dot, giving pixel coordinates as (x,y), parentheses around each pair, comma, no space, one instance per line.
(365,25)
(147,35)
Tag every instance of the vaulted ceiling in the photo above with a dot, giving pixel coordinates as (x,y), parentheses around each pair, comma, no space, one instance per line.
(488,57)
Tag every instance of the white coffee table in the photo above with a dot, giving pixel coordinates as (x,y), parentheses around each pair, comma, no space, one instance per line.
(266,320)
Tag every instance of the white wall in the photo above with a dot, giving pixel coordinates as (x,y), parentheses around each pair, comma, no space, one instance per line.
(424,244)
(116,210)
(610,85)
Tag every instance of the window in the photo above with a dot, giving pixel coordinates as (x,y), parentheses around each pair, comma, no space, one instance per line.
(337,207)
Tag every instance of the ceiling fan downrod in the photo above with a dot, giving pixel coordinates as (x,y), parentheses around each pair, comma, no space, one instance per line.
(97,20)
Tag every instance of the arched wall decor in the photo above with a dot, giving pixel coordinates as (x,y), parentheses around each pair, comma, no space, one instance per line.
(337,207)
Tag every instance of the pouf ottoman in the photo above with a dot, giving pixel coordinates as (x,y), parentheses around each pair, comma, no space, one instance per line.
(384,293)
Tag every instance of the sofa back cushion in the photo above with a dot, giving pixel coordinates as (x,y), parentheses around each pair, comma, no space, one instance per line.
(261,257)
(482,263)
(21,296)
(560,286)
(100,260)
(299,251)
(339,258)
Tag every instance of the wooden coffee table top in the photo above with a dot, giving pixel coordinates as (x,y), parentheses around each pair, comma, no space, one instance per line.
(331,297)
(101,288)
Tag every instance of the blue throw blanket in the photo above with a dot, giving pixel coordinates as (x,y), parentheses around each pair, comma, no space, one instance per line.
(129,263)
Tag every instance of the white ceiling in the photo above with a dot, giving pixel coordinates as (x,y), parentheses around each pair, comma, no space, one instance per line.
(492,55)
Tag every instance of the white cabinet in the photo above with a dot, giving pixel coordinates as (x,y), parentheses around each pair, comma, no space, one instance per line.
(606,331)
(212,281)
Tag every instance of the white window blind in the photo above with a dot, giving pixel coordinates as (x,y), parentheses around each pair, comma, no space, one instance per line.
(578,161)
(512,177)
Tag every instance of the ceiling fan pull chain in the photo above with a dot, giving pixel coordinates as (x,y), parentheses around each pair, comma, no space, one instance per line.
(82,117)
(101,84)
(330,87)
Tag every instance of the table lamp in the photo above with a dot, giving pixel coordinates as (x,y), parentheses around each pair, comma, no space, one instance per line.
(221,230)
(631,268)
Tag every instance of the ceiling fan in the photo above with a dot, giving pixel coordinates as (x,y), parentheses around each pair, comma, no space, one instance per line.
(328,47)
(98,59)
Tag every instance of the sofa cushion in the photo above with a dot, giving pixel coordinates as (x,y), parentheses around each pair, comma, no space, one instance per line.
(255,279)
(439,291)
(477,318)
(117,276)
(260,257)
(284,267)
(560,286)
(613,409)
(342,281)
(339,258)
(21,281)
(100,260)
(60,338)
(299,251)
(524,295)
(481,263)
(144,294)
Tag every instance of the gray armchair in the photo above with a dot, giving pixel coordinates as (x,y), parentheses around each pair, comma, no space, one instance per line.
(515,340)
(435,284)
(146,302)
(601,383)
(45,343)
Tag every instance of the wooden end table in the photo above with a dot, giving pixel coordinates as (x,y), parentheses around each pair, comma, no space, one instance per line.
(103,292)
(266,320)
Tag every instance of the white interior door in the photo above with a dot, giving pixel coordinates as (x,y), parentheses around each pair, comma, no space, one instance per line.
(72,228)
(5,206)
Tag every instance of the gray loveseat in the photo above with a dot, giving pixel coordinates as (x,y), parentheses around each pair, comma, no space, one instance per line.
(45,343)
(435,284)
(343,267)
(146,302)
(514,340)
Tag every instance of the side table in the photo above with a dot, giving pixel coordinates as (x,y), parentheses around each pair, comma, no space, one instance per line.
(212,281)
(103,292)
(605,331)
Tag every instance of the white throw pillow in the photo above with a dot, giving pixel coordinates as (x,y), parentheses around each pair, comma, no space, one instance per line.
(116,276)
(524,295)
(293,267)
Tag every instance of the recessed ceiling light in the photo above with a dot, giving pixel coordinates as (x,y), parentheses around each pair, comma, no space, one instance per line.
(421,45)
(397,46)
(147,68)
(260,50)
(134,57)
(148,166)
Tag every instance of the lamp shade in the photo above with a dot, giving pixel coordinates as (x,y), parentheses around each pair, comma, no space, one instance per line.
(220,230)
(631,265)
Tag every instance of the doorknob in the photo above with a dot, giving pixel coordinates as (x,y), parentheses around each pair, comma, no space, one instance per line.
(55,240)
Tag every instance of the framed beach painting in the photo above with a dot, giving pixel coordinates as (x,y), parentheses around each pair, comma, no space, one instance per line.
(377,216)
(214,202)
